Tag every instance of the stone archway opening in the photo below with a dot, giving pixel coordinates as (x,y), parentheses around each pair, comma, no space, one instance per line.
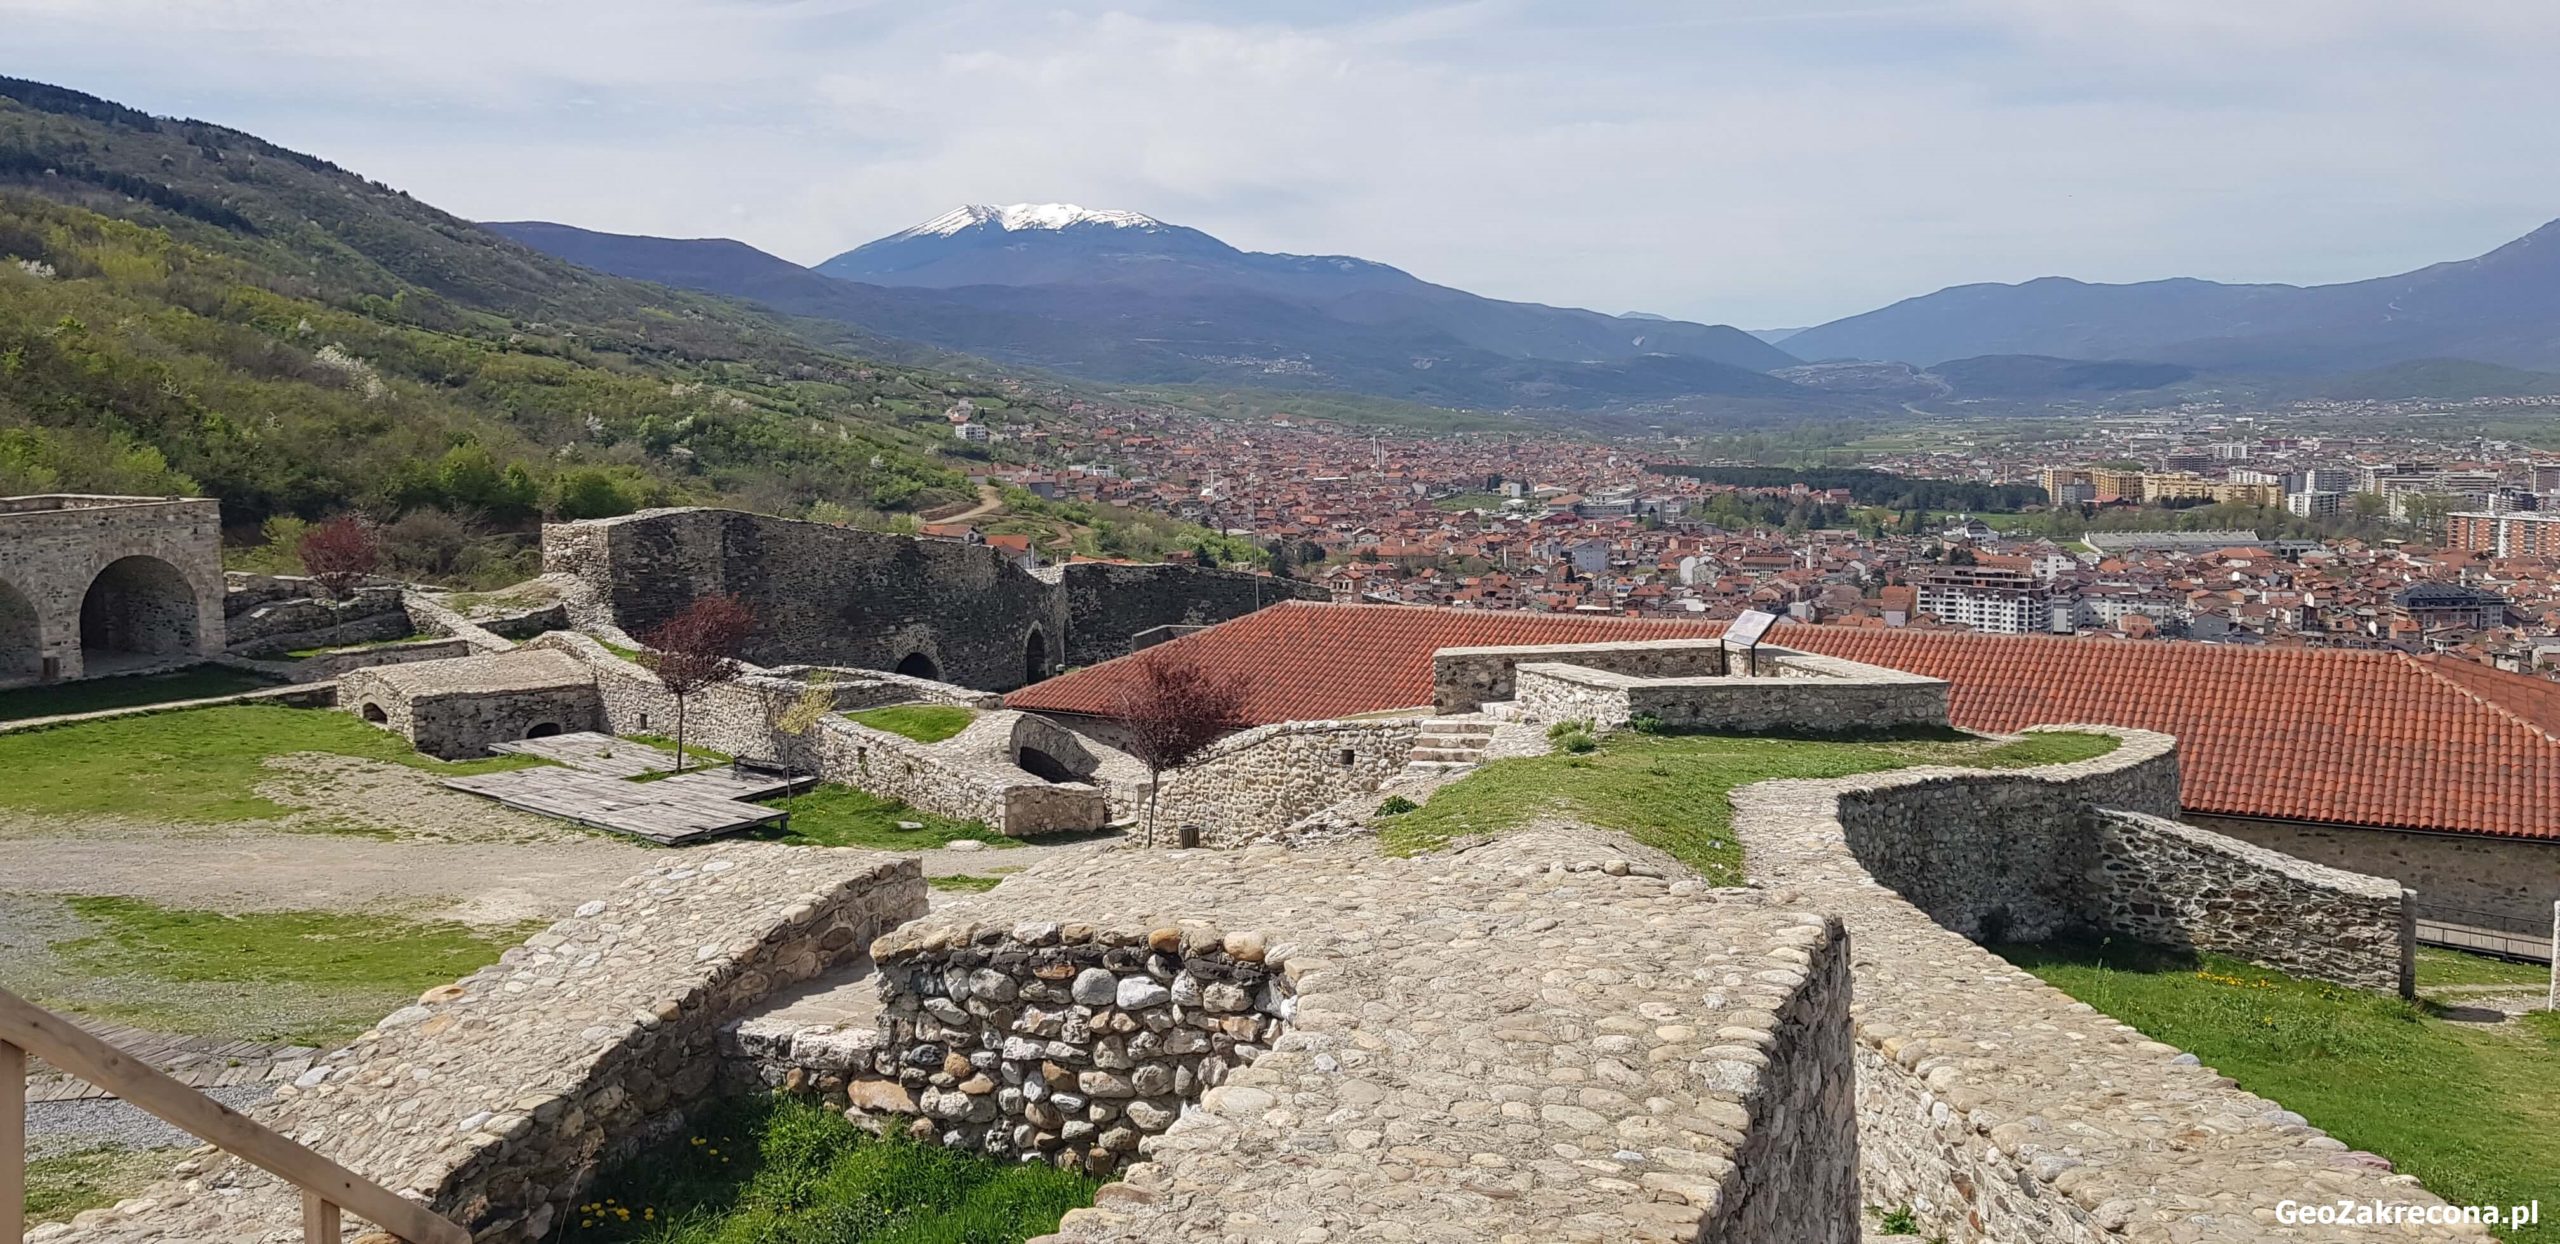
(372,712)
(542,730)
(918,665)
(21,638)
(138,611)
(1035,657)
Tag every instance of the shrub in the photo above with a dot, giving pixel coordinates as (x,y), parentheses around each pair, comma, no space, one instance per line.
(1645,723)
(1577,742)
(1396,805)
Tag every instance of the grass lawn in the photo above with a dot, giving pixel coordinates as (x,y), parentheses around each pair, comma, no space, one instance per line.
(964,884)
(841,816)
(64,1184)
(197,765)
(2438,966)
(782,1171)
(357,967)
(1469,501)
(1669,791)
(925,723)
(199,682)
(2472,1110)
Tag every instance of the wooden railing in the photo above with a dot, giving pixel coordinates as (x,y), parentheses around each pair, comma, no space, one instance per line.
(327,1187)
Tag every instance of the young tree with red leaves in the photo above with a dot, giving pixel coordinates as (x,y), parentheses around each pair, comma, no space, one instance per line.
(698,648)
(1170,712)
(340,553)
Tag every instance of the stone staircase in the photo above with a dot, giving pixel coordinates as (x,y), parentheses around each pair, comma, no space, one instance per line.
(1450,745)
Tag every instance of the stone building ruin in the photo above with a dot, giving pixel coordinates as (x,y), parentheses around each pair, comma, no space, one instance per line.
(96,585)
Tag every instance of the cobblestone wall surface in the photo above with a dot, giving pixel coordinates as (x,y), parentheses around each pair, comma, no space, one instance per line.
(2002,1111)
(2464,878)
(494,1099)
(2177,885)
(1258,781)
(1551,1037)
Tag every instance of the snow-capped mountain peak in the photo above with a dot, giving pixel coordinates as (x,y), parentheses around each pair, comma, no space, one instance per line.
(1017,217)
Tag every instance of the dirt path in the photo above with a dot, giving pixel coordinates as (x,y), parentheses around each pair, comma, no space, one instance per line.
(990,501)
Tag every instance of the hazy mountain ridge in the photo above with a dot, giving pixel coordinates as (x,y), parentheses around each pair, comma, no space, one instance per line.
(2502,307)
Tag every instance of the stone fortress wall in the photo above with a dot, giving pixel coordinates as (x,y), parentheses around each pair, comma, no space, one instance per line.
(940,609)
(1257,781)
(494,1100)
(95,584)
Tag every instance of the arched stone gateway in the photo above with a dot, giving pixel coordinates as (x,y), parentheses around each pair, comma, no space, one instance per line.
(1035,657)
(918,665)
(137,610)
(372,712)
(21,636)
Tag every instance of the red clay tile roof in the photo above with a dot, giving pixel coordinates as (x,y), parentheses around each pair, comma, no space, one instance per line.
(2355,737)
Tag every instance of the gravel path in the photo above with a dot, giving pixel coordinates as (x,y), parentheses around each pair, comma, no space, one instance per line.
(69,1126)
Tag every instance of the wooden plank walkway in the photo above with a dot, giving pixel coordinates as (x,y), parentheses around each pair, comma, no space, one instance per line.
(591,752)
(663,812)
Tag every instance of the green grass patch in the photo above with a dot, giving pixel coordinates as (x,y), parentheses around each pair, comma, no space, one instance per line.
(1670,791)
(199,682)
(925,723)
(783,1171)
(197,765)
(964,884)
(2438,966)
(2472,1110)
(1469,501)
(63,1184)
(305,654)
(368,964)
(842,816)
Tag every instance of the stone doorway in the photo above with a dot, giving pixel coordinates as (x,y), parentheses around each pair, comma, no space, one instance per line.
(139,611)
(1035,657)
(918,665)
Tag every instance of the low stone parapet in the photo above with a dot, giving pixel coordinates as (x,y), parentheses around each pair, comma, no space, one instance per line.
(1796,695)
(495,1099)
(1257,782)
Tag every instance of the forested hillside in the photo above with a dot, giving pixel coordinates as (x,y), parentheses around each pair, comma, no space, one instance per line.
(187,306)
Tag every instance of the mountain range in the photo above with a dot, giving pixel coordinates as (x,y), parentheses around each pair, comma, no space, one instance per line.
(1119,296)
(2500,308)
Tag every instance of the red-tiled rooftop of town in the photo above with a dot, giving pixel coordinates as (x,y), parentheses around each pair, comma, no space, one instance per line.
(2355,737)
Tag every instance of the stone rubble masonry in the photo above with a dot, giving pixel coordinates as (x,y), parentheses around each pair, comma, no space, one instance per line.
(2470,879)
(1062,1043)
(55,549)
(1256,782)
(970,776)
(2018,857)
(268,615)
(1466,679)
(2001,1110)
(1551,1037)
(1800,702)
(2176,885)
(865,599)
(495,1099)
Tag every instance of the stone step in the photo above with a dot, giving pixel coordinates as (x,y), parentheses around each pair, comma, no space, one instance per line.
(1465,754)
(1457,725)
(1438,766)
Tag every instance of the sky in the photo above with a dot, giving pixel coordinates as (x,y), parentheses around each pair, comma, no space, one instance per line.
(1764,163)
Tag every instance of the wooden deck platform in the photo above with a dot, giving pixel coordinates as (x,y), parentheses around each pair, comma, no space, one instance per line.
(594,753)
(668,812)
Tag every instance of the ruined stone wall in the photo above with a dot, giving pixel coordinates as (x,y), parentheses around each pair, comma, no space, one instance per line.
(55,551)
(1464,679)
(2001,1111)
(823,594)
(1067,1043)
(1256,782)
(495,1099)
(2177,885)
(266,615)
(1860,700)
(836,596)
(1108,603)
(953,782)
(2453,876)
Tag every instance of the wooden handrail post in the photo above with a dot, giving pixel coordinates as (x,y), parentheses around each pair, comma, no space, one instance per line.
(326,1186)
(319,1219)
(13,1142)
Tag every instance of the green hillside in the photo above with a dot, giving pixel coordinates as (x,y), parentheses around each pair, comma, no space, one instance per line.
(187,306)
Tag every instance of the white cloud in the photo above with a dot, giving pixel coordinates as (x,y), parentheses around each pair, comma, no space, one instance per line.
(1754,161)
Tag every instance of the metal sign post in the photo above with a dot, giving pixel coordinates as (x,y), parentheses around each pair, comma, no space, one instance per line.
(1747,630)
